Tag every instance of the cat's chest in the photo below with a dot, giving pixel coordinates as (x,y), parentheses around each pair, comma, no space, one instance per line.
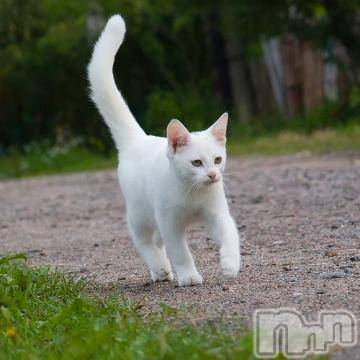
(190,212)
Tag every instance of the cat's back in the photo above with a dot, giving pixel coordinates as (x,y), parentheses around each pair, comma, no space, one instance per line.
(143,151)
(140,161)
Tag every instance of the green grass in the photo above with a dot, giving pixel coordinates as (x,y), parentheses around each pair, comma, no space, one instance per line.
(45,159)
(44,163)
(49,315)
(289,142)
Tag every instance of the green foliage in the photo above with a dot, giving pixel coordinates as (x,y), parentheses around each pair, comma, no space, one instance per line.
(44,49)
(43,62)
(165,69)
(40,158)
(49,315)
(195,110)
(243,141)
(328,116)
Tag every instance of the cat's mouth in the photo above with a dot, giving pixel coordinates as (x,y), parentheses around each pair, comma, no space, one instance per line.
(211,182)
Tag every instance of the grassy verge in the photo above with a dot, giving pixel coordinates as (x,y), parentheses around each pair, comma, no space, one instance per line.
(288,142)
(49,315)
(41,160)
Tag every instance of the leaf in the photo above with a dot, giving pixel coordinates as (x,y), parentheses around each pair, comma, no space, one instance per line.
(319,11)
(6,259)
(6,313)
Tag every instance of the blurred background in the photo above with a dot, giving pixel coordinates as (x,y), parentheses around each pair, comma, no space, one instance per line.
(286,70)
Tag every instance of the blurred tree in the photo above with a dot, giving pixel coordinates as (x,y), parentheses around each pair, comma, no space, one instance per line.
(185,59)
(43,61)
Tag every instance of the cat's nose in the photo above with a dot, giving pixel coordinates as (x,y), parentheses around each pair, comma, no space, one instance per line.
(211,175)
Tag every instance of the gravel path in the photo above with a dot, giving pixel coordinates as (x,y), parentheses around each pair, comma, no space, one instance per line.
(299,217)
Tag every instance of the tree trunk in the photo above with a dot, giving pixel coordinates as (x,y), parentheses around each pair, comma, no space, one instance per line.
(241,82)
(216,44)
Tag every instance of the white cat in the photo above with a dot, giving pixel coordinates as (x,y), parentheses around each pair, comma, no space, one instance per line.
(168,183)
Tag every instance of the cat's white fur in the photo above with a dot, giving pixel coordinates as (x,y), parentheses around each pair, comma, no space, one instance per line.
(164,192)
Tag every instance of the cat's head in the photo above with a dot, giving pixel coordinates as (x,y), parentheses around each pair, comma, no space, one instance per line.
(198,157)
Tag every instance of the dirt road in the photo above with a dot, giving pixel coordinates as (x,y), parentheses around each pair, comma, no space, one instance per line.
(299,218)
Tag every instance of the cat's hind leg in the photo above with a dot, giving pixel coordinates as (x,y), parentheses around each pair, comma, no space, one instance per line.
(164,273)
(151,247)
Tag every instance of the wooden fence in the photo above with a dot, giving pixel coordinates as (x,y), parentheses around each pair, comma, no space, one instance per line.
(293,77)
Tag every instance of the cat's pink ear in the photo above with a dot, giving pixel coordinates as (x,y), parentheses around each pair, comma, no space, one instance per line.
(177,135)
(218,129)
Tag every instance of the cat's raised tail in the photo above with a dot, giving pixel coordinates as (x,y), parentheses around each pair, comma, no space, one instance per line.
(104,92)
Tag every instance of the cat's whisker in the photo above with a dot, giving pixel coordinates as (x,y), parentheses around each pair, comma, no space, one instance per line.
(233,174)
(189,191)
(192,187)
(197,189)
(228,181)
(227,187)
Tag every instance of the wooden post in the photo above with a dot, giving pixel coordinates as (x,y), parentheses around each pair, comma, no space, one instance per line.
(313,78)
(274,66)
(293,74)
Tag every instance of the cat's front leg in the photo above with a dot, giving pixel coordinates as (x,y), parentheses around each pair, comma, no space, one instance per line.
(222,229)
(181,259)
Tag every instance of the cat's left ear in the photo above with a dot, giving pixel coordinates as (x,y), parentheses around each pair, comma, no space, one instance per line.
(218,129)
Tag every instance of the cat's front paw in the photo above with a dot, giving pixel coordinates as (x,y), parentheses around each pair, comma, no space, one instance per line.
(230,261)
(230,267)
(162,275)
(230,272)
(189,279)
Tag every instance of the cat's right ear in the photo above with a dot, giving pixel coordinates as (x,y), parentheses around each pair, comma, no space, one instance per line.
(177,135)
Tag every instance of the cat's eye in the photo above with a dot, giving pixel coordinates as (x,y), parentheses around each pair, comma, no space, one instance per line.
(218,160)
(197,163)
